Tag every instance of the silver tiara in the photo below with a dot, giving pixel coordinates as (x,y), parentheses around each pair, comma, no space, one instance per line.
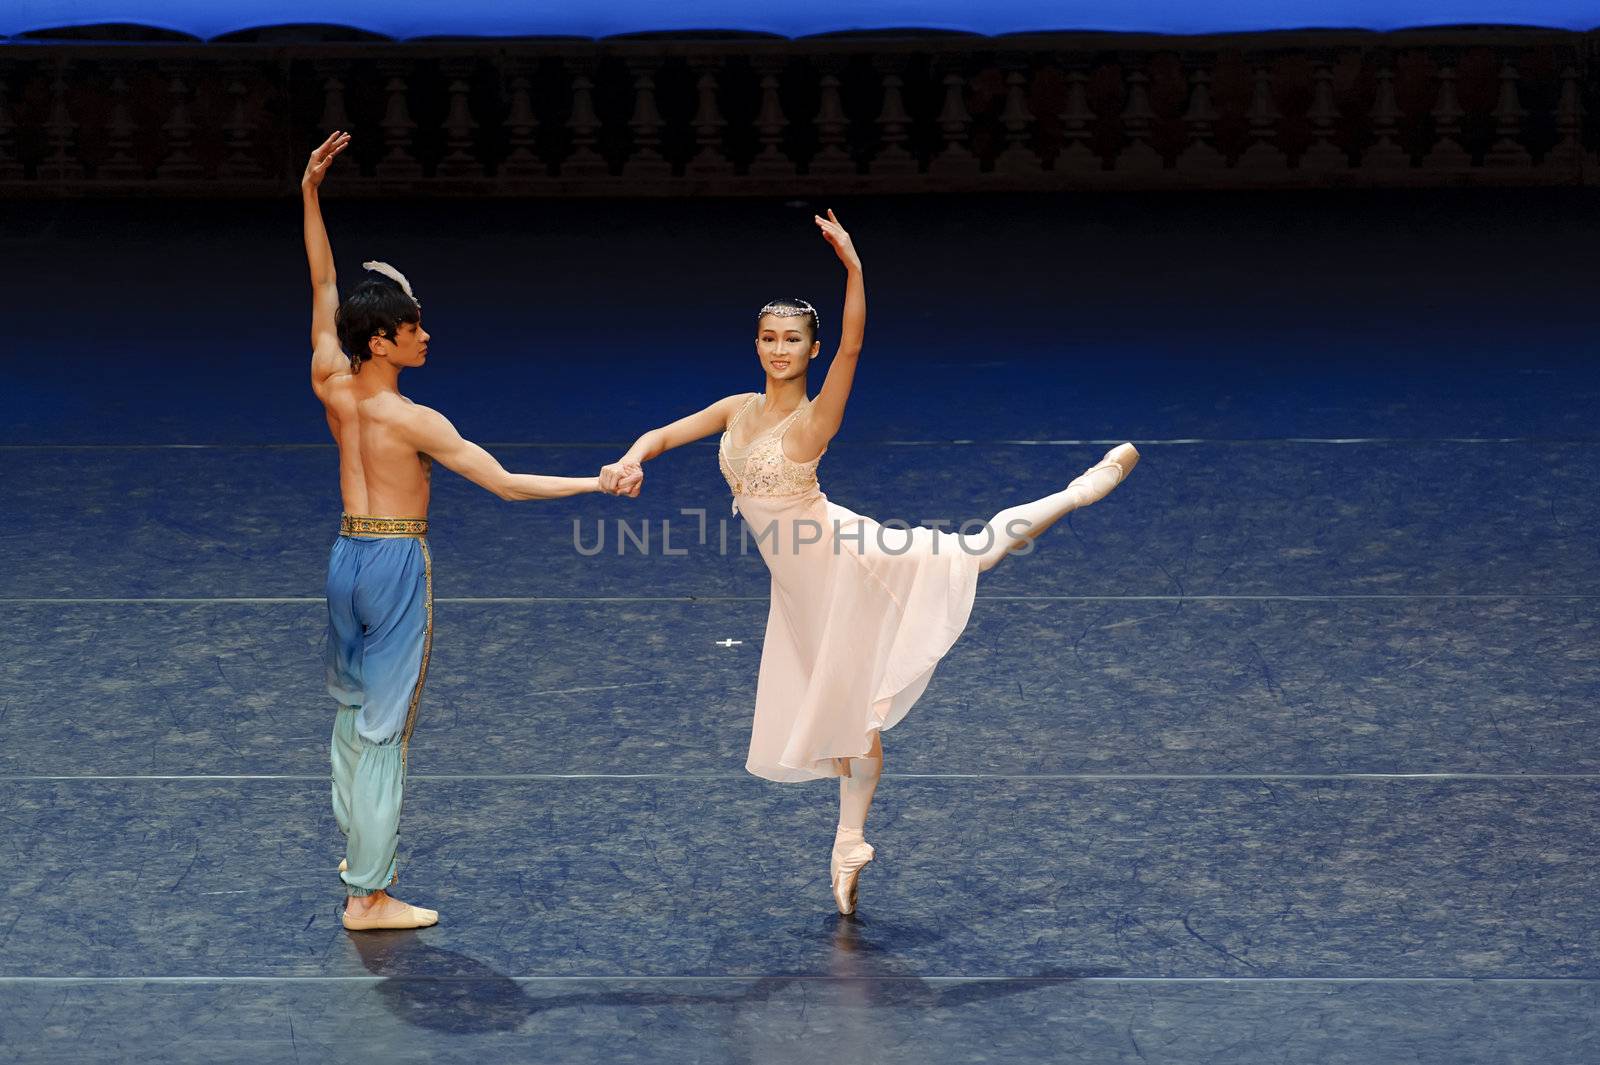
(790,309)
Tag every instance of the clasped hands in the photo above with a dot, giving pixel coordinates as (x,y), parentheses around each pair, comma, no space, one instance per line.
(622,479)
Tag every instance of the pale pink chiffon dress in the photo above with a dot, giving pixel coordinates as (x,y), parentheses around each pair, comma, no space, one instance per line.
(860,616)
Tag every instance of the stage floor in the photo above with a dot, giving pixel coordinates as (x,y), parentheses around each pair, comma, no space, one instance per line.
(1285,752)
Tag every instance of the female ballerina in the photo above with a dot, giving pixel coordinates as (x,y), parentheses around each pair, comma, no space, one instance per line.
(861,613)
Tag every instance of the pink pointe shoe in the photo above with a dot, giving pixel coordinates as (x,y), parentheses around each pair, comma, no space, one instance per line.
(844,869)
(1122,458)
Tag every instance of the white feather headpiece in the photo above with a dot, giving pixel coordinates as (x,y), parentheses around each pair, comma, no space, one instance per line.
(394,275)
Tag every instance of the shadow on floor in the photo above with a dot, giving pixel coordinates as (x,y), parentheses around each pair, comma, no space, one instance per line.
(441,990)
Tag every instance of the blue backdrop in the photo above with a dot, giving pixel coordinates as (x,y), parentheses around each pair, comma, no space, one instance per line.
(421,18)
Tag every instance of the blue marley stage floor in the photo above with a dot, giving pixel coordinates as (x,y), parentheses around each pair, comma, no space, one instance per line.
(1288,751)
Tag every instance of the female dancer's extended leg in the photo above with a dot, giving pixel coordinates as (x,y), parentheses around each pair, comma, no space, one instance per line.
(1015,526)
(850,851)
(1008,530)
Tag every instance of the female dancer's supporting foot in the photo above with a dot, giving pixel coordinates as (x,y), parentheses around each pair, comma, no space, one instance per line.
(861,613)
(851,852)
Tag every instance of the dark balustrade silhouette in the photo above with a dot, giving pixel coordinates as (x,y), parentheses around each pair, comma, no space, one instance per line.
(729,116)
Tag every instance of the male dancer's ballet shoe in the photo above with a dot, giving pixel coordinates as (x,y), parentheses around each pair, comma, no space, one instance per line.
(1122,458)
(406,916)
(843,871)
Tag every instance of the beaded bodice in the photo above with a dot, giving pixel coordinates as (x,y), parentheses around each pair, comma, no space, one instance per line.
(760,468)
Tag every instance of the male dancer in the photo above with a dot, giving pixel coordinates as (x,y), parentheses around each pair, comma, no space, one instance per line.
(380,577)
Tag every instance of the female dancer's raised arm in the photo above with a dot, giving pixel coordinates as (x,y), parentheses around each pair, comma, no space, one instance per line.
(813,431)
(810,433)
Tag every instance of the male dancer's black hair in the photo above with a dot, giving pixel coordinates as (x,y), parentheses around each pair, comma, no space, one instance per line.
(375,308)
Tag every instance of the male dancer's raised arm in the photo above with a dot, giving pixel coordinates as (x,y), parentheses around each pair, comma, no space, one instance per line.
(427,431)
(326,357)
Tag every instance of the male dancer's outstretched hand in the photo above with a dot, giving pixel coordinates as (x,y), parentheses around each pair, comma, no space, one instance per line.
(622,479)
(321,156)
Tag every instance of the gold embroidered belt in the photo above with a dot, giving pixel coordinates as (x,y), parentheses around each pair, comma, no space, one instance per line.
(366,525)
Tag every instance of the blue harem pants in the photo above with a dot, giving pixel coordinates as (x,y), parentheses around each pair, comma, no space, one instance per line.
(380,628)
